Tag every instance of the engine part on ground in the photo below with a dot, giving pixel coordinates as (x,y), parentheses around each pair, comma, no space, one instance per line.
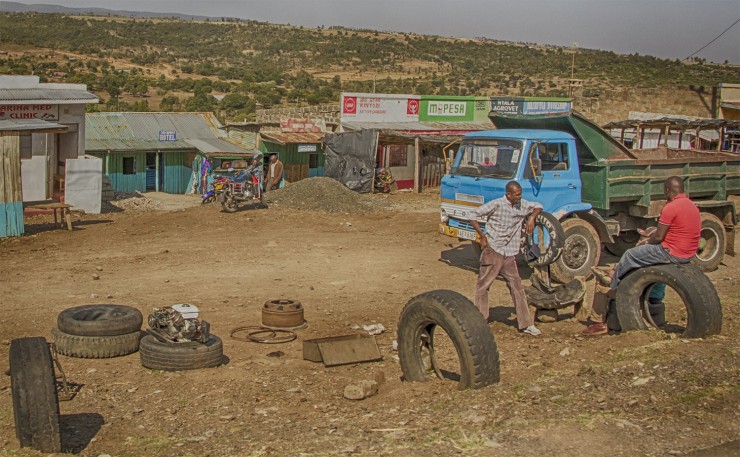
(34,392)
(560,296)
(283,314)
(100,320)
(697,292)
(260,334)
(96,347)
(179,324)
(581,251)
(342,350)
(544,245)
(192,355)
(464,324)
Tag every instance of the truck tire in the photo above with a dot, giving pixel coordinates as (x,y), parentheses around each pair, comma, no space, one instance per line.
(711,243)
(157,355)
(551,225)
(690,283)
(96,347)
(581,251)
(34,392)
(100,320)
(622,243)
(469,332)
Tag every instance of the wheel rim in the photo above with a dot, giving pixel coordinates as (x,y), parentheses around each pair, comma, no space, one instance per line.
(708,244)
(576,252)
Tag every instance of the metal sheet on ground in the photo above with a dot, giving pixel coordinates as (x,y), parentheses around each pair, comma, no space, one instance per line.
(342,350)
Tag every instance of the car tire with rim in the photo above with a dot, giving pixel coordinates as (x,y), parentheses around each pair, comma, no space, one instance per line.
(158,355)
(581,251)
(711,244)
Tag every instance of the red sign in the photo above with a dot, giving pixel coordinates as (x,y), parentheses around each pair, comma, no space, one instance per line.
(412,106)
(350,105)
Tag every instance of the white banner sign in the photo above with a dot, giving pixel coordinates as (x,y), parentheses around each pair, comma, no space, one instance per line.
(380,108)
(43,112)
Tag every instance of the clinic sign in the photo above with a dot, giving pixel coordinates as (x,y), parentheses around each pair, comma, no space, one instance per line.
(42,112)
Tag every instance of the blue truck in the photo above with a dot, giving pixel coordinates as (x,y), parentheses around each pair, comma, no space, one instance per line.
(600,191)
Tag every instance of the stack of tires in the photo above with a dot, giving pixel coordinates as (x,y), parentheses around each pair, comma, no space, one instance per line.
(190,355)
(98,331)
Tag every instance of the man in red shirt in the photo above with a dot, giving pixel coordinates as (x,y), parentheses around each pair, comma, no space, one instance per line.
(675,240)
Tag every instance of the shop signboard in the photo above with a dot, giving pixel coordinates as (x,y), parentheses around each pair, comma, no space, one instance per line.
(302,125)
(43,112)
(518,106)
(379,108)
(306,148)
(167,135)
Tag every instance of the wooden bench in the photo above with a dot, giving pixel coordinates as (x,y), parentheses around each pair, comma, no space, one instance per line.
(65,212)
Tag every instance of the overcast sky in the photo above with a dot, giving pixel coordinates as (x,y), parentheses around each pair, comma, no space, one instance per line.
(664,28)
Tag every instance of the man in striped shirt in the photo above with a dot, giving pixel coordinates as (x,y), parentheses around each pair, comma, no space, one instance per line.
(501,243)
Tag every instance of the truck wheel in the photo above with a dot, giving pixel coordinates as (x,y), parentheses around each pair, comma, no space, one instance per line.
(690,283)
(622,243)
(711,244)
(100,320)
(34,392)
(461,320)
(96,347)
(581,251)
(157,355)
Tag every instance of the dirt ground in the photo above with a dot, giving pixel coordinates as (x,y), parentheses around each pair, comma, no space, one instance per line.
(642,393)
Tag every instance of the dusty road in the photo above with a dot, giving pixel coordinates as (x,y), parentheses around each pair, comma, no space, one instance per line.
(560,395)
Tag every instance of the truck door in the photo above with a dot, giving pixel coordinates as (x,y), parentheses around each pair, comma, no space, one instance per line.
(558,182)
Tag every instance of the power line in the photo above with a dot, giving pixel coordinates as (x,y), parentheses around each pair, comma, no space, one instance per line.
(715,39)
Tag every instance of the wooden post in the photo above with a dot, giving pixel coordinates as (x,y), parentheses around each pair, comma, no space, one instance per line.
(642,134)
(721,132)
(680,138)
(375,160)
(417,166)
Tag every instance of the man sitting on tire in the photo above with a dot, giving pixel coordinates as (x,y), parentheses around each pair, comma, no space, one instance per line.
(500,244)
(675,240)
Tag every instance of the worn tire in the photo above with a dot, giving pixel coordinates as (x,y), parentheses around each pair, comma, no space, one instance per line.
(96,347)
(157,355)
(581,251)
(33,388)
(100,320)
(713,240)
(550,224)
(691,284)
(622,243)
(469,332)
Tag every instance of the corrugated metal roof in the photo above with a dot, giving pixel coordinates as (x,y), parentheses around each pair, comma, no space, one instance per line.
(29,124)
(58,96)
(140,131)
(285,138)
(421,126)
(214,146)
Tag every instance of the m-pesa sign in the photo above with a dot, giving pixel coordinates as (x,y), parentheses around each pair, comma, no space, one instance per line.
(380,108)
(446,108)
(43,112)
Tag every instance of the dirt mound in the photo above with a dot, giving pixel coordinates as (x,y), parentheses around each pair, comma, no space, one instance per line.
(324,194)
(135,202)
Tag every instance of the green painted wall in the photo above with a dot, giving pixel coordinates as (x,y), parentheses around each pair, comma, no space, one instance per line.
(177,171)
(289,154)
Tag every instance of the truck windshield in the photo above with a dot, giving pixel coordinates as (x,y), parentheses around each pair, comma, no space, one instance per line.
(488,158)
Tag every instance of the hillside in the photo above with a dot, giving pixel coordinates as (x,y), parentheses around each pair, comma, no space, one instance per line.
(171,64)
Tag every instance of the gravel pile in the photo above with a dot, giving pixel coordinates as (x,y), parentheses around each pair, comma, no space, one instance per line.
(324,194)
(133,202)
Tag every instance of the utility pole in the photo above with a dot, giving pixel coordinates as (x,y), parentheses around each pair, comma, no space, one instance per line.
(572,70)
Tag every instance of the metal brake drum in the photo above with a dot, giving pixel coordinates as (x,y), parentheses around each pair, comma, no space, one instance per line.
(283,314)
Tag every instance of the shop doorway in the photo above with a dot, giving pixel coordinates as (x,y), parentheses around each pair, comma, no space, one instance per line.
(154,171)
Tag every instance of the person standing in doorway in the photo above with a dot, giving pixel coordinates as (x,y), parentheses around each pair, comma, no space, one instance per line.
(500,244)
(274,174)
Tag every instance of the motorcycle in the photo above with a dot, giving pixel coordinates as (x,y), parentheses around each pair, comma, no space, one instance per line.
(241,189)
(217,187)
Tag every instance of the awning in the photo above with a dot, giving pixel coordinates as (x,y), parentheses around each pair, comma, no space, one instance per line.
(292,138)
(37,125)
(215,147)
(730,105)
(422,128)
